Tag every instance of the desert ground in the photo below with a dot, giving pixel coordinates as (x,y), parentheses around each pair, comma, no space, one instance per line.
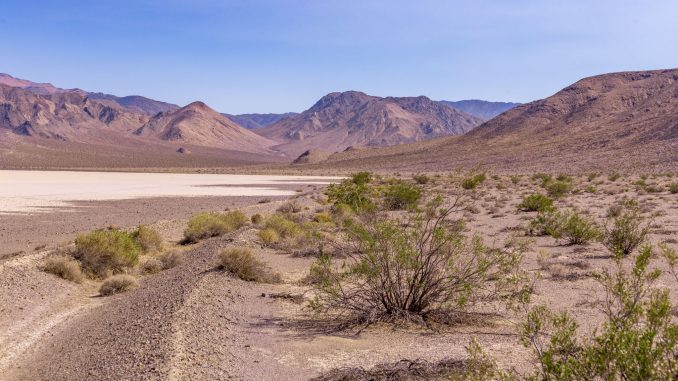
(199,320)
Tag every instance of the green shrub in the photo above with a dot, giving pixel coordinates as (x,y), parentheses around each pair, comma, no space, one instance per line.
(590,189)
(673,188)
(149,239)
(548,222)
(408,269)
(282,226)
(347,192)
(243,264)
(206,225)
(626,230)
(472,182)
(105,252)
(515,179)
(564,177)
(577,229)
(558,188)
(536,202)
(361,178)
(64,267)
(117,284)
(637,341)
(543,178)
(400,196)
(322,217)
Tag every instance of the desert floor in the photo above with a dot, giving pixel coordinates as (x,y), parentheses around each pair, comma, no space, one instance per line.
(197,322)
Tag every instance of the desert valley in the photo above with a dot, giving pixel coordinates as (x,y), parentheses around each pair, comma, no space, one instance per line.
(366,237)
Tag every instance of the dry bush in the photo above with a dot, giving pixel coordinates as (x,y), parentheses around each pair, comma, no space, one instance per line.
(400,270)
(256,219)
(269,236)
(117,284)
(206,225)
(149,239)
(289,207)
(243,264)
(172,259)
(106,252)
(64,267)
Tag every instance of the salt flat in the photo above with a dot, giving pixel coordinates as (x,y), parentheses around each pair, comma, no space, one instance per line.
(43,191)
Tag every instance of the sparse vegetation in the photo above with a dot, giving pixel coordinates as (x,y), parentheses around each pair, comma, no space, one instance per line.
(64,267)
(421,179)
(473,181)
(409,270)
(206,225)
(243,264)
(627,229)
(673,188)
(117,284)
(401,195)
(256,219)
(148,239)
(536,202)
(269,236)
(577,229)
(106,252)
(558,188)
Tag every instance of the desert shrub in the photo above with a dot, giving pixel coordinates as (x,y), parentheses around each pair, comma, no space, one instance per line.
(626,230)
(361,178)
(105,252)
(64,267)
(515,179)
(401,195)
(117,284)
(472,182)
(206,225)
(591,189)
(592,176)
(269,236)
(536,202)
(614,177)
(548,222)
(421,179)
(673,188)
(558,188)
(354,195)
(282,226)
(243,264)
(564,177)
(543,178)
(149,239)
(171,259)
(577,229)
(322,217)
(256,219)
(289,207)
(637,341)
(412,269)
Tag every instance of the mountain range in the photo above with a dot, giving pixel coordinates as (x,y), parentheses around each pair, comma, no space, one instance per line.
(624,120)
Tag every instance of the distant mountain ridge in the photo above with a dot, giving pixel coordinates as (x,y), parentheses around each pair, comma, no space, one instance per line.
(482,109)
(254,121)
(348,119)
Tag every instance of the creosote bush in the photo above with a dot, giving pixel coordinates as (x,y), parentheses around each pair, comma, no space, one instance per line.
(577,229)
(673,188)
(536,202)
(243,264)
(421,179)
(64,267)
(149,239)
(105,252)
(637,341)
(117,284)
(626,230)
(206,225)
(411,270)
(558,189)
(401,195)
(354,193)
(472,182)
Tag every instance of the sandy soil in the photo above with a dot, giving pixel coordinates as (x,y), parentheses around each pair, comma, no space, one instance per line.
(197,322)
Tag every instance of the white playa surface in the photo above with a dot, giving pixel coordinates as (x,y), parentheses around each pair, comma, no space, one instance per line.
(43,191)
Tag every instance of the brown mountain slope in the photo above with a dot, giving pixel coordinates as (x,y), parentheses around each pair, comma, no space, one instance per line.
(62,115)
(199,125)
(622,121)
(341,120)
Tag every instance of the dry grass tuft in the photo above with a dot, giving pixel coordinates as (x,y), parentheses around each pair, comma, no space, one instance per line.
(64,267)
(118,284)
(243,264)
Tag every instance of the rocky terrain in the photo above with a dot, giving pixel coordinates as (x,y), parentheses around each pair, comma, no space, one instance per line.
(341,120)
(254,121)
(625,121)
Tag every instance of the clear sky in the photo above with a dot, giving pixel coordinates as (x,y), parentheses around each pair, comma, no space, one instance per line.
(275,56)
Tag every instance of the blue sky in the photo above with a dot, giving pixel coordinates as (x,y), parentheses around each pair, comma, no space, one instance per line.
(277,56)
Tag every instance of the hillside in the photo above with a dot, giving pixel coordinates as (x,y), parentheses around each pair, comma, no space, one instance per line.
(621,121)
(199,125)
(349,119)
